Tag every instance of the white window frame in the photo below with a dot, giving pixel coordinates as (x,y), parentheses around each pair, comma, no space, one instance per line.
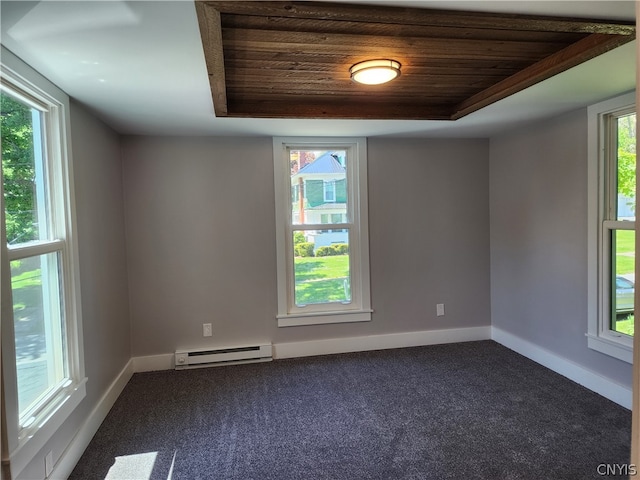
(600,337)
(359,309)
(24,441)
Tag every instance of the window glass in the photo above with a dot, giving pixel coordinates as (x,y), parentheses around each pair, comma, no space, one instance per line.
(39,328)
(321,267)
(626,167)
(321,176)
(23,170)
(623,281)
(622,168)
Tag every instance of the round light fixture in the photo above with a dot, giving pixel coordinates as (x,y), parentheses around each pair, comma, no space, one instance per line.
(375,72)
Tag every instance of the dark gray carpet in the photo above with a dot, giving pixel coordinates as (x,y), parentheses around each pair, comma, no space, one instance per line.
(463,411)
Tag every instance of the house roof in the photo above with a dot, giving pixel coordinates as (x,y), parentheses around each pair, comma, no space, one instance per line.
(326,163)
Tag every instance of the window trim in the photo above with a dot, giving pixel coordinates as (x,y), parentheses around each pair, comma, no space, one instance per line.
(360,308)
(600,337)
(23,443)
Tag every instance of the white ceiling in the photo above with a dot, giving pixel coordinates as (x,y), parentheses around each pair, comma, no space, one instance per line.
(139,66)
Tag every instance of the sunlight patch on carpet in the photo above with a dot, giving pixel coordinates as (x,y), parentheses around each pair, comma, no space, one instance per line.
(139,466)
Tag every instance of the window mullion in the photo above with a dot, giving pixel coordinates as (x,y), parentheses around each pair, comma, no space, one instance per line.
(33,249)
(321,226)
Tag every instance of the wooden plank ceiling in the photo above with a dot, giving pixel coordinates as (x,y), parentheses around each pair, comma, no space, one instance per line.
(292,59)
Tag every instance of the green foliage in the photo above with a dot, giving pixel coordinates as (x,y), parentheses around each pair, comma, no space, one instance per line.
(341,248)
(324,252)
(331,250)
(18,169)
(624,324)
(303,249)
(627,156)
(298,237)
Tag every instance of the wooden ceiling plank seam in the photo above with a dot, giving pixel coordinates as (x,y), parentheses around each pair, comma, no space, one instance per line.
(391,29)
(236,58)
(418,16)
(399,102)
(247,38)
(352,55)
(411,69)
(264,76)
(575,54)
(211,35)
(433,90)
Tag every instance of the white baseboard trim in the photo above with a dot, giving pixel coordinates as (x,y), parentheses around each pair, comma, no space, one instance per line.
(573,371)
(380,342)
(152,363)
(80,441)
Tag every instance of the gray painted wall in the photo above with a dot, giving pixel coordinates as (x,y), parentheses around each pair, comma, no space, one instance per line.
(103,270)
(538,204)
(201,240)
(200,244)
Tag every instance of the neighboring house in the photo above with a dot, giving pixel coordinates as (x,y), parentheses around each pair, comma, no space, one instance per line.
(323,184)
(626,208)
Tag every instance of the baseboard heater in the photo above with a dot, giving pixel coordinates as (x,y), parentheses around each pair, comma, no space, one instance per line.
(222,356)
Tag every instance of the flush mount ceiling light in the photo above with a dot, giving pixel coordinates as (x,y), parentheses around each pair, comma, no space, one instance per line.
(375,72)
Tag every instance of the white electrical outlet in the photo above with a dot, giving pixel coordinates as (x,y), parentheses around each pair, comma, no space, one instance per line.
(206,330)
(48,464)
(440,309)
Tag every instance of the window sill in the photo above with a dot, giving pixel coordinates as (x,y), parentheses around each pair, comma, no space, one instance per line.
(347,316)
(37,436)
(611,348)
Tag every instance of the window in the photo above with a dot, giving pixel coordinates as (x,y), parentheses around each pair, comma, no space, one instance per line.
(612,200)
(42,356)
(330,191)
(322,242)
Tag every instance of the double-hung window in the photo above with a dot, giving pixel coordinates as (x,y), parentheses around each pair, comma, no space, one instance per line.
(612,204)
(322,230)
(42,354)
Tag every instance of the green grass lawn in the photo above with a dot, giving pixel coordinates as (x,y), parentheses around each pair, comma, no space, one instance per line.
(625,264)
(322,279)
(625,251)
(624,324)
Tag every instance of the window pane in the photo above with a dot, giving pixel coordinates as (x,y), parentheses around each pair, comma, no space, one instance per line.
(626,167)
(39,327)
(321,267)
(318,185)
(623,282)
(23,171)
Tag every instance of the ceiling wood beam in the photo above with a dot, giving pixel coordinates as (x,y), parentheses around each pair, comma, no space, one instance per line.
(575,54)
(211,35)
(419,16)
